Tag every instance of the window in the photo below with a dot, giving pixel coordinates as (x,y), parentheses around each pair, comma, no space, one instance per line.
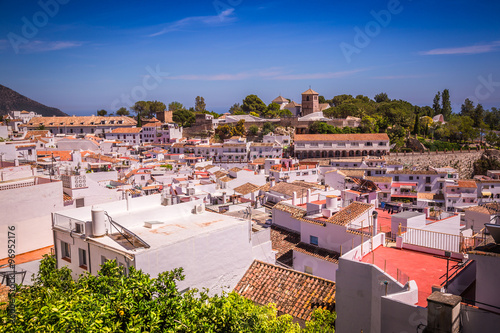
(82,258)
(79,228)
(80,202)
(313,240)
(396,178)
(369,144)
(65,251)
(411,177)
(308,270)
(341,144)
(103,260)
(427,189)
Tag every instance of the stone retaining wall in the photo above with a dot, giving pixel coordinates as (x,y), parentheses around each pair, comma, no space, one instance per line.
(463,161)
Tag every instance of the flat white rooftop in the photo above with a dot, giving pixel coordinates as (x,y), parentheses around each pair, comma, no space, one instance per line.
(170,224)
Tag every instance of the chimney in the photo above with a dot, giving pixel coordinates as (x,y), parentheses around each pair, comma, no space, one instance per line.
(224,197)
(294,198)
(272,180)
(308,195)
(443,313)
(374,222)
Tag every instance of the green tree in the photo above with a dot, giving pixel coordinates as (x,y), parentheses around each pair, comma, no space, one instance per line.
(116,302)
(341,99)
(321,99)
(492,139)
(239,128)
(253,130)
(382,97)
(446,110)
(478,115)
(467,108)
(267,128)
(236,107)
(369,125)
(436,106)
(176,106)
(156,107)
(102,113)
(224,131)
(183,117)
(397,135)
(252,103)
(272,111)
(141,108)
(122,112)
(199,104)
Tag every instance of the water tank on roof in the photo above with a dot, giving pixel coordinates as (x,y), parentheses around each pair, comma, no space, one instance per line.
(98,222)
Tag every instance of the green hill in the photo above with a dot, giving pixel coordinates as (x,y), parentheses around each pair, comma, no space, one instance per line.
(11,100)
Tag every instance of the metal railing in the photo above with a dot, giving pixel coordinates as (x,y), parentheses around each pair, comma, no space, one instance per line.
(438,240)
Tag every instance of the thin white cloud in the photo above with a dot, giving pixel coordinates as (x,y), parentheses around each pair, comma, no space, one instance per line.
(472,49)
(43,46)
(224,17)
(312,76)
(4,43)
(267,74)
(397,77)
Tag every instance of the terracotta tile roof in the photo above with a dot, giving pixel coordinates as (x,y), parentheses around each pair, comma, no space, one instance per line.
(283,241)
(349,213)
(235,169)
(220,174)
(308,184)
(81,121)
(318,252)
(293,210)
(246,188)
(280,99)
(67,197)
(127,130)
(260,160)
(379,179)
(310,92)
(342,137)
(34,133)
(413,172)
(226,179)
(64,155)
(467,183)
(292,104)
(294,293)
(489,208)
(430,196)
(288,189)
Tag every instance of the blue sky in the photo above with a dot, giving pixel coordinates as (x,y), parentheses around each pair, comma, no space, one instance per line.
(88,55)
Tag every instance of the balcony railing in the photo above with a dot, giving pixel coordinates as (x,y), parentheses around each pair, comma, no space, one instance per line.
(438,240)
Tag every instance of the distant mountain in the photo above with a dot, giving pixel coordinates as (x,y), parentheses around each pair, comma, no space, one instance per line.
(13,101)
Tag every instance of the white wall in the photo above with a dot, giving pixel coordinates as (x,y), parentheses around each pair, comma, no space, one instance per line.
(398,316)
(487,273)
(284,219)
(29,208)
(322,268)
(360,289)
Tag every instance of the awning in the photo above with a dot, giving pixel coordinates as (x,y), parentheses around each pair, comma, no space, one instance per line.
(403,184)
(486,194)
(406,187)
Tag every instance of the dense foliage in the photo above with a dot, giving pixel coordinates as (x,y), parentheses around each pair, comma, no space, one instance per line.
(115,302)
